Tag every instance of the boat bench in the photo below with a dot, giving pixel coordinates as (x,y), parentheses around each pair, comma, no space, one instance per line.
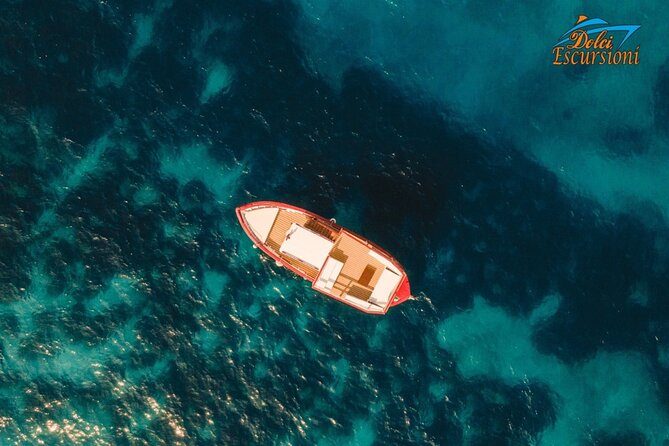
(329,273)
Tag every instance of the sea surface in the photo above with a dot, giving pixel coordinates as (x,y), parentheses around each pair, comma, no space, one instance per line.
(529,204)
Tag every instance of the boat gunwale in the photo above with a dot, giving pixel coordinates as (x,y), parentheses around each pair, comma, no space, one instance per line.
(259,204)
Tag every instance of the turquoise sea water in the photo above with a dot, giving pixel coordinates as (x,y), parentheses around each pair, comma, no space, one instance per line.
(529,204)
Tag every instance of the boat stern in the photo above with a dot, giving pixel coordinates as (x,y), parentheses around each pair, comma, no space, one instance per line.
(403,292)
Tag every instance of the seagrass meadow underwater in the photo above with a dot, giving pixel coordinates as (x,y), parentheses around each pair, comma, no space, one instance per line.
(528,202)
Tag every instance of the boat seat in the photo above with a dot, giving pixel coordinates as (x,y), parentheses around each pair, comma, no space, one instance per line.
(329,273)
(319,228)
(339,255)
(361,292)
(363,304)
(385,287)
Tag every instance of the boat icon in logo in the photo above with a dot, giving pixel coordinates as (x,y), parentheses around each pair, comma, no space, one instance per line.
(593,41)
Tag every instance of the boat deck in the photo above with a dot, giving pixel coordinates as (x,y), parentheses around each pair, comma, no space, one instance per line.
(284,219)
(360,271)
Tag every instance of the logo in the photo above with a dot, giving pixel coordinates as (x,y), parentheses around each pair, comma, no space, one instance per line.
(595,42)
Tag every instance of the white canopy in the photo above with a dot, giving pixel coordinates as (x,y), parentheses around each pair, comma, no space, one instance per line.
(306,246)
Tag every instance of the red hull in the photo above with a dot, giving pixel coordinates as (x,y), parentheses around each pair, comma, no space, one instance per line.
(401,294)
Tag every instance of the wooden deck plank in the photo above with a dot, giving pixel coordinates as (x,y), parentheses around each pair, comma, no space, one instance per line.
(360,272)
(276,236)
(357,265)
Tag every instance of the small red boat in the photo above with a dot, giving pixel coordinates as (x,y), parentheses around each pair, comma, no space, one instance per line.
(338,263)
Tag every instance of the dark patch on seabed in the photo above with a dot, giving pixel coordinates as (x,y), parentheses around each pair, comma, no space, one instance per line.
(133,310)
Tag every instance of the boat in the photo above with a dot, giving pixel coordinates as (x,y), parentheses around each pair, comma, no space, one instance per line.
(339,263)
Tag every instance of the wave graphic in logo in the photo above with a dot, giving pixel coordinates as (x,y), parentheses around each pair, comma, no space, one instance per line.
(591,41)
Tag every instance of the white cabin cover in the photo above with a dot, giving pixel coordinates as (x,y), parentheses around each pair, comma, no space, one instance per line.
(306,246)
